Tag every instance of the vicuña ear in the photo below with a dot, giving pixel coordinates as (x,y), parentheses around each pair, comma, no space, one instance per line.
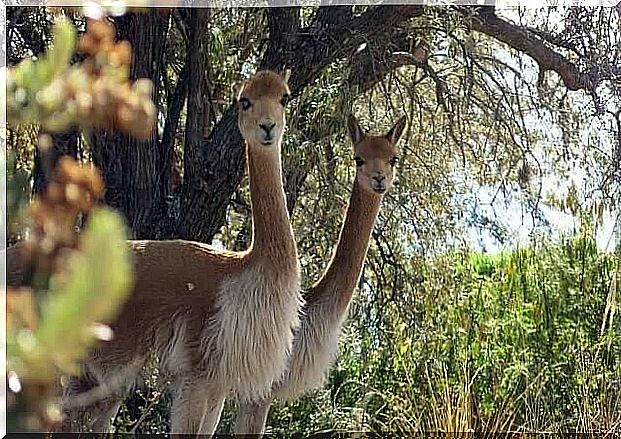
(238,87)
(287,75)
(355,132)
(396,132)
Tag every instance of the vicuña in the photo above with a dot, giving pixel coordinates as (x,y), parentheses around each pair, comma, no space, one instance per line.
(219,321)
(327,301)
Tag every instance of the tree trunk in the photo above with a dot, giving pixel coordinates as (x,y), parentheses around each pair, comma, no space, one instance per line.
(45,162)
(206,195)
(198,104)
(135,171)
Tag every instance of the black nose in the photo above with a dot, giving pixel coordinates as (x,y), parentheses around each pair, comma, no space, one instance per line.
(379,178)
(267,127)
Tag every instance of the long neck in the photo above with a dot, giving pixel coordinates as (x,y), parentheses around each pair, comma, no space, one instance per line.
(340,278)
(272,237)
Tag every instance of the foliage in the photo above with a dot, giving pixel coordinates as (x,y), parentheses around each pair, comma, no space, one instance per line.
(56,338)
(94,93)
(67,298)
(52,326)
(17,193)
(507,342)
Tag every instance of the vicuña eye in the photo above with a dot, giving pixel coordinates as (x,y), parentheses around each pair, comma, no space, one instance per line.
(359,161)
(393,161)
(245,103)
(285,100)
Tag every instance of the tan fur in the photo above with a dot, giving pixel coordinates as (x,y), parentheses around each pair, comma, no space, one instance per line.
(219,321)
(327,301)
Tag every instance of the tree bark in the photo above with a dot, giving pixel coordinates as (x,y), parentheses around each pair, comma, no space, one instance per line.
(206,195)
(329,15)
(196,64)
(45,162)
(173,113)
(284,24)
(135,171)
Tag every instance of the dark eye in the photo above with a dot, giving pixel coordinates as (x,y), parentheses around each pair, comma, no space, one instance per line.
(245,103)
(285,100)
(359,161)
(393,161)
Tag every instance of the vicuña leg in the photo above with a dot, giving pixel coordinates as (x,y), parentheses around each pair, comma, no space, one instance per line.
(211,415)
(96,414)
(252,417)
(192,412)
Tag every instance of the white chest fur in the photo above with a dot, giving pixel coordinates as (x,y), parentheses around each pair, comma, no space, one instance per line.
(251,335)
(314,350)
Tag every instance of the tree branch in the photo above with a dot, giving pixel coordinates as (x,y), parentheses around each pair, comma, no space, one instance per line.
(316,48)
(284,24)
(328,15)
(522,40)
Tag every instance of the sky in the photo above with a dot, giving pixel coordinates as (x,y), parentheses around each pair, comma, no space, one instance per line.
(511,212)
(520,225)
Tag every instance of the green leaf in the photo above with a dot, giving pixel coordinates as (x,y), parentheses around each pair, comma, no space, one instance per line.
(97,282)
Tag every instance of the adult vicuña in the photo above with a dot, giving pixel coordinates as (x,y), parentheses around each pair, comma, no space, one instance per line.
(219,321)
(327,301)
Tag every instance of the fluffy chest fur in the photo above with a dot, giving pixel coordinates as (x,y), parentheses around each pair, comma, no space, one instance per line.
(249,339)
(314,350)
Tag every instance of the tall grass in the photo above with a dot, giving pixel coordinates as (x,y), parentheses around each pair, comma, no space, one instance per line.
(516,342)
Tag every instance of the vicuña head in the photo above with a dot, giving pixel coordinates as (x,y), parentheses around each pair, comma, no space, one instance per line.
(375,156)
(261,102)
